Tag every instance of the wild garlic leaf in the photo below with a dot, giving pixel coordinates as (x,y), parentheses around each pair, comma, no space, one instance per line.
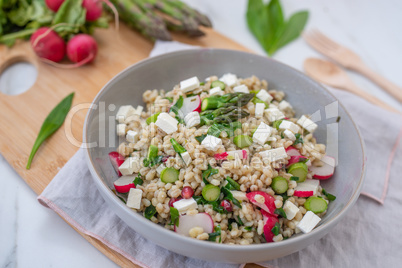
(258,22)
(52,123)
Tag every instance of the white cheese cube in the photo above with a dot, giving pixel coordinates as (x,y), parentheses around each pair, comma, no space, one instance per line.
(139,110)
(134,198)
(274,154)
(264,96)
(160,168)
(308,186)
(129,166)
(216,91)
(289,125)
(185,204)
(307,124)
(211,142)
(167,123)
(284,105)
(289,135)
(274,114)
(186,158)
(290,210)
(121,129)
(262,133)
(259,110)
(309,221)
(124,112)
(239,195)
(192,119)
(229,79)
(132,136)
(241,89)
(190,84)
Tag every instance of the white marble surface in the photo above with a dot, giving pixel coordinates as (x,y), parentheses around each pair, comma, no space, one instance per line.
(32,236)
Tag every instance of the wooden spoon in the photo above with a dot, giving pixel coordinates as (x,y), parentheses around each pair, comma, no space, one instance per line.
(331,74)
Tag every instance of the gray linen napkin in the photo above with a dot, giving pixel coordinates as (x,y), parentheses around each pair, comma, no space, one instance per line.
(367,236)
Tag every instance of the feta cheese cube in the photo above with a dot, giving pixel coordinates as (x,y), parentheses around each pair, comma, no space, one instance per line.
(289,135)
(132,136)
(189,84)
(308,185)
(239,195)
(139,110)
(160,168)
(121,129)
(262,133)
(134,198)
(259,110)
(167,123)
(290,210)
(216,91)
(274,154)
(186,158)
(211,142)
(229,79)
(185,204)
(192,119)
(130,165)
(264,96)
(309,221)
(284,105)
(307,124)
(274,114)
(124,112)
(289,125)
(241,88)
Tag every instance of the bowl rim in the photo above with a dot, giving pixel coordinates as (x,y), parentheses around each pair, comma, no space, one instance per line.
(200,243)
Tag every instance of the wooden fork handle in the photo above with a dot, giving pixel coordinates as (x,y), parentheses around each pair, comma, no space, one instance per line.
(359,92)
(390,87)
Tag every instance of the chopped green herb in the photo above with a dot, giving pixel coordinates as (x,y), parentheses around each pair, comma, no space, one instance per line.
(228,195)
(338,119)
(257,100)
(176,107)
(280,212)
(294,178)
(149,212)
(170,99)
(208,173)
(153,157)
(200,138)
(174,216)
(233,183)
(328,195)
(200,200)
(276,228)
(285,197)
(214,235)
(152,118)
(215,130)
(299,139)
(202,83)
(248,228)
(138,180)
(239,221)
(276,124)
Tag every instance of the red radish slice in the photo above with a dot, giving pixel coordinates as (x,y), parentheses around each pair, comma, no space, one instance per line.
(269,223)
(295,159)
(241,154)
(303,193)
(187,222)
(292,151)
(326,171)
(124,184)
(190,104)
(306,188)
(221,156)
(268,201)
(116,159)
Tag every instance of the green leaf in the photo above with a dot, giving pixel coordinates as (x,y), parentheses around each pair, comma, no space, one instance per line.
(299,139)
(239,221)
(258,22)
(149,212)
(200,138)
(216,129)
(72,14)
(176,107)
(276,19)
(294,178)
(248,228)
(138,180)
(276,228)
(280,212)
(214,235)
(174,216)
(328,195)
(208,173)
(52,123)
(290,32)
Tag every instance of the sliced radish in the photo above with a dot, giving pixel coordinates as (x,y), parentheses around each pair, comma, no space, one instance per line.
(326,171)
(116,159)
(190,104)
(221,156)
(124,184)
(295,159)
(269,223)
(187,222)
(263,200)
(238,154)
(306,188)
(292,151)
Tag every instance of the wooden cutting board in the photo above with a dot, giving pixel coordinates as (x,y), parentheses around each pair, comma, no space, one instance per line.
(21,116)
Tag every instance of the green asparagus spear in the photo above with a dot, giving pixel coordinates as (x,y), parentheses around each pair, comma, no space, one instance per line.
(230,99)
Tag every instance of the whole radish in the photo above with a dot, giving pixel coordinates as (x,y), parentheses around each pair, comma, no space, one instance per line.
(82,49)
(48,45)
(94,9)
(54,5)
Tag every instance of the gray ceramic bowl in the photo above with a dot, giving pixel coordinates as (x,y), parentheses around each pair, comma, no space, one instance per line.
(306,96)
